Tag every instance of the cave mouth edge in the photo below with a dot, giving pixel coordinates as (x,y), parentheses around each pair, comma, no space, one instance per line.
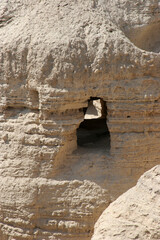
(93,132)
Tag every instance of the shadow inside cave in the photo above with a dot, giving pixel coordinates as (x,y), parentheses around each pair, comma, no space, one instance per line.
(93,134)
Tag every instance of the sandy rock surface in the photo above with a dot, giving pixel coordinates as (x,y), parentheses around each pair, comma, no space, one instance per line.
(135,214)
(54,56)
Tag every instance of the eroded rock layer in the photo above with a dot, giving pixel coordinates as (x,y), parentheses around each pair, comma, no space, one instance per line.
(135,214)
(54,57)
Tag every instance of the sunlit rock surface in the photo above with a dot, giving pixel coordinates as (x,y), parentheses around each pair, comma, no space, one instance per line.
(54,57)
(135,214)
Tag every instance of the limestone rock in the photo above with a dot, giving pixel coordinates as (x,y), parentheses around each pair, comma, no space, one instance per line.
(142,17)
(54,56)
(135,214)
(94,110)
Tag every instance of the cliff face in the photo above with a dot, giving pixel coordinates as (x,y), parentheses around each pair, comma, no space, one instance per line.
(54,57)
(135,214)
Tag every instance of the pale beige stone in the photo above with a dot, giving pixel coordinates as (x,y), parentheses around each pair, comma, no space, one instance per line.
(54,56)
(135,214)
(94,110)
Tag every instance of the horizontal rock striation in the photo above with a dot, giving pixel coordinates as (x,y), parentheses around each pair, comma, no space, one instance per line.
(54,57)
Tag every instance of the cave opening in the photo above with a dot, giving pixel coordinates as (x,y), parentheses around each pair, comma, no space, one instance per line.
(93,131)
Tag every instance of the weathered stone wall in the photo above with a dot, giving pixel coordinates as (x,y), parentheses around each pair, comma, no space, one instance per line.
(135,214)
(55,56)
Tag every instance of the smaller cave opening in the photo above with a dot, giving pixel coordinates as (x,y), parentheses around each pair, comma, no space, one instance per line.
(93,131)
(146,37)
(34,98)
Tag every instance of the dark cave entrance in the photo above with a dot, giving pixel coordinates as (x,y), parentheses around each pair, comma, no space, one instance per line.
(93,131)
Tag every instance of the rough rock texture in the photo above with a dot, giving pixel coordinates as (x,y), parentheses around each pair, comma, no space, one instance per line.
(135,214)
(54,56)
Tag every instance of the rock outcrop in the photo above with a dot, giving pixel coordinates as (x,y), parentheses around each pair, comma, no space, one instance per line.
(135,214)
(54,57)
